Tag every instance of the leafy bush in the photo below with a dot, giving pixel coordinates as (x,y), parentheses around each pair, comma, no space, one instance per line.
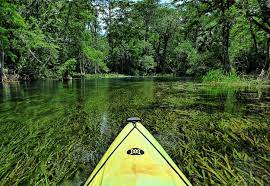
(96,57)
(68,67)
(148,63)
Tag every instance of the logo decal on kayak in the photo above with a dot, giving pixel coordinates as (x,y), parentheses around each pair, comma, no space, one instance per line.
(135,151)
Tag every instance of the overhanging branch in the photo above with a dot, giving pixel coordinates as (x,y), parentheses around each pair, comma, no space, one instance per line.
(260,25)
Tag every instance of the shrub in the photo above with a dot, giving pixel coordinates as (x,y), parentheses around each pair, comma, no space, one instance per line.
(68,67)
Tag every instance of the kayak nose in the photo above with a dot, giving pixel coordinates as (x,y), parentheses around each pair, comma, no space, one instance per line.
(133,119)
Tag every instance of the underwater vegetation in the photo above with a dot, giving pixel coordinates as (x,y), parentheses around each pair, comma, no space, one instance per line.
(55,133)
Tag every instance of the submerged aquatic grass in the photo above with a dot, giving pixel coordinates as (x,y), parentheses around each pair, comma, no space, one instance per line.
(56,133)
(220,143)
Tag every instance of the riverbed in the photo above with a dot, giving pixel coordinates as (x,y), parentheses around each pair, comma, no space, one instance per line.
(55,132)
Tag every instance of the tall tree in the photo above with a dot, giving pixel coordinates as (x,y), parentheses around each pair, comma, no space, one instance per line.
(165,27)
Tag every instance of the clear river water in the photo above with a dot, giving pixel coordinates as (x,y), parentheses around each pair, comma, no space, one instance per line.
(54,133)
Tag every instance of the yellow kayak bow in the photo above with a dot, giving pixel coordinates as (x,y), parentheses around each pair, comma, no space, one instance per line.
(135,158)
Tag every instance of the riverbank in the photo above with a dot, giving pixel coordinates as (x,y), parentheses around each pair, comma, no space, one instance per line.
(218,78)
(97,76)
(87,76)
(212,79)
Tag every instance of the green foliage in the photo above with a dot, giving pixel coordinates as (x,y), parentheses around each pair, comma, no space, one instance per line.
(241,39)
(191,52)
(218,76)
(148,63)
(214,75)
(46,36)
(96,57)
(36,52)
(67,68)
(183,38)
(10,23)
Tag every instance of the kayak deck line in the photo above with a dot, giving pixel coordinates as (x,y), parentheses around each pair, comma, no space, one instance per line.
(151,167)
(110,156)
(162,156)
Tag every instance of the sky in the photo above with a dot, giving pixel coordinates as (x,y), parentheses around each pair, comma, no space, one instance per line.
(165,1)
(162,1)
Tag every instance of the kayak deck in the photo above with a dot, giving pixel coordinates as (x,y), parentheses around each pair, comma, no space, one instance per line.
(135,158)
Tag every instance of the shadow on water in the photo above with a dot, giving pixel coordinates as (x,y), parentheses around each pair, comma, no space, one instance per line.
(55,133)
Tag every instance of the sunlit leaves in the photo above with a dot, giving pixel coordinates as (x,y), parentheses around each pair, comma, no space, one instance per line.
(68,67)
(241,40)
(96,57)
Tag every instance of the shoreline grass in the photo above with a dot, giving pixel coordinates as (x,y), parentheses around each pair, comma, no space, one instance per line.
(218,78)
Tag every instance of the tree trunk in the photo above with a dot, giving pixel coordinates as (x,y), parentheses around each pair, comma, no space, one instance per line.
(255,45)
(109,22)
(2,58)
(265,73)
(82,66)
(158,56)
(267,62)
(253,35)
(226,37)
(164,53)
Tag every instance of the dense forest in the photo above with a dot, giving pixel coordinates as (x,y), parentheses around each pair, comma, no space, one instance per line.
(45,38)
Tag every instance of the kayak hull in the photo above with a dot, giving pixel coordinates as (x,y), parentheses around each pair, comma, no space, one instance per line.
(135,158)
